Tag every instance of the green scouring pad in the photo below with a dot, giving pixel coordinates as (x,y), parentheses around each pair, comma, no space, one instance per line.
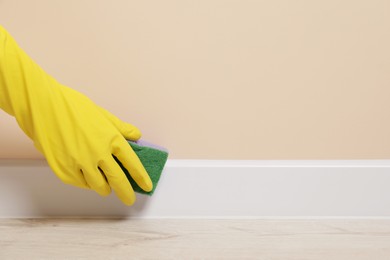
(153,158)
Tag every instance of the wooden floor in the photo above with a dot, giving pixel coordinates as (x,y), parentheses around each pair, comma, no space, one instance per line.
(194,239)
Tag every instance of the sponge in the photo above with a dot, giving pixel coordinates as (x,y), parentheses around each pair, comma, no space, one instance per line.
(153,158)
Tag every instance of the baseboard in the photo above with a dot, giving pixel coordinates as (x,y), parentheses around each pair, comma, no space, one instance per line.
(211,189)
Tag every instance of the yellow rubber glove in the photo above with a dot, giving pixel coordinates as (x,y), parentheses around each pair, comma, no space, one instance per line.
(77,137)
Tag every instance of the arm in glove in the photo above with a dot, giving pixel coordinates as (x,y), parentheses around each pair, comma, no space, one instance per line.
(78,138)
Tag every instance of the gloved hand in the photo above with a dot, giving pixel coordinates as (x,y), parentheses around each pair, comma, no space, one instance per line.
(78,138)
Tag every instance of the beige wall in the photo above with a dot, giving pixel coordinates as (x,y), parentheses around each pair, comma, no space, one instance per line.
(221,79)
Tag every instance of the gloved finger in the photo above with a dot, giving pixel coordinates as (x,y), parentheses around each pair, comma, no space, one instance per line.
(80,182)
(129,131)
(96,181)
(74,178)
(132,163)
(118,181)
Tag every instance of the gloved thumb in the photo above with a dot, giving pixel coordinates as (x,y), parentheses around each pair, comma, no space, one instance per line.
(129,131)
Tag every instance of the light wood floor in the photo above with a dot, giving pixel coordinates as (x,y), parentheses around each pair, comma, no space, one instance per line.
(194,239)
